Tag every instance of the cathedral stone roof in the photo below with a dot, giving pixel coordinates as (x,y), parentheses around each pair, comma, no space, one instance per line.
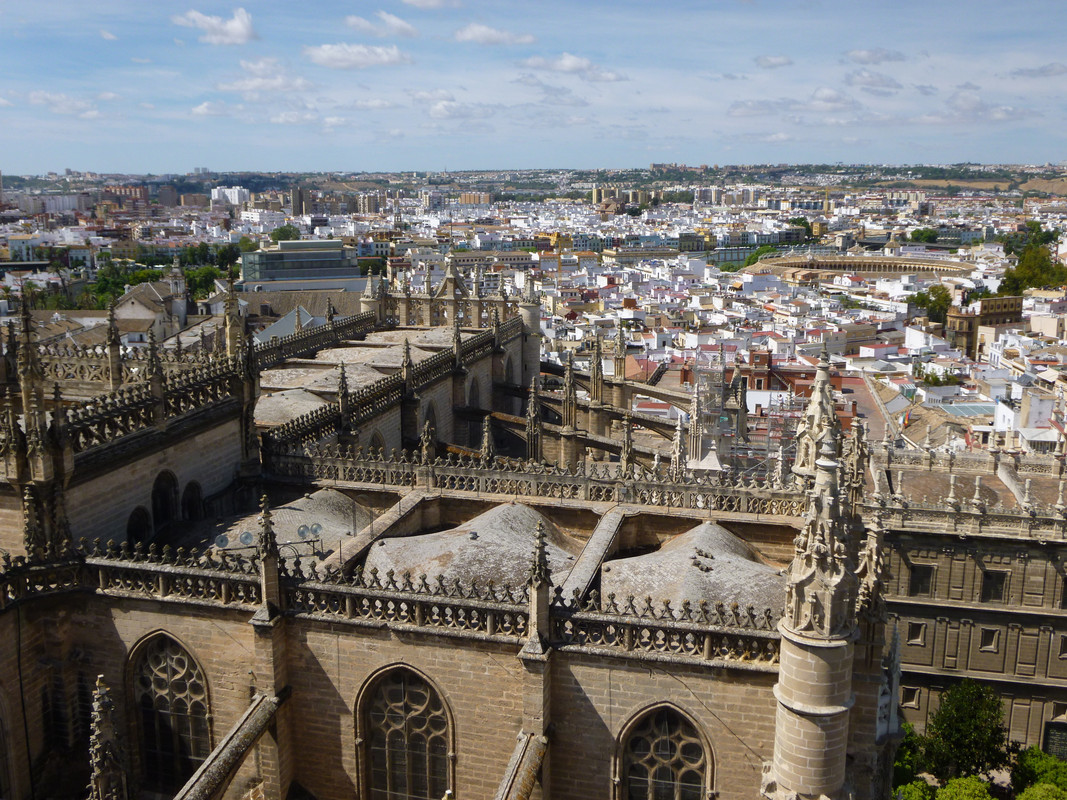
(281,407)
(497,546)
(706,563)
(337,515)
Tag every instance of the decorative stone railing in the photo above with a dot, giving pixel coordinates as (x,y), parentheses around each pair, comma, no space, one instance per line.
(591,482)
(957,462)
(712,635)
(708,634)
(369,401)
(448,609)
(108,417)
(273,352)
(211,577)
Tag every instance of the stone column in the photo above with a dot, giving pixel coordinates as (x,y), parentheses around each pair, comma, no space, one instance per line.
(814,689)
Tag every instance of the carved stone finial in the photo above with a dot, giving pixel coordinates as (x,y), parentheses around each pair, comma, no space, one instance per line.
(539,575)
(427,443)
(342,382)
(487,450)
(268,541)
(107,758)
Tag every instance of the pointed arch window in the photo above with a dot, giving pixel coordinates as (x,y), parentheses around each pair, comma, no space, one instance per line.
(172,701)
(664,758)
(407,740)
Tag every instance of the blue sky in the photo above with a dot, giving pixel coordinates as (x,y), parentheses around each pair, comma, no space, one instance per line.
(165,86)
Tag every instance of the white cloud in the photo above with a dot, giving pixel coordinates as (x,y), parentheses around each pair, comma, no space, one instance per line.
(106,96)
(430,96)
(552,95)
(355,56)
(209,109)
(264,75)
(429,3)
(216,30)
(374,104)
(64,104)
(872,82)
(822,100)
(329,123)
(1050,70)
(776,138)
(136,60)
(878,55)
(4,102)
(573,65)
(967,106)
(772,62)
(450,109)
(925,89)
(390,25)
(483,34)
(148,106)
(107,35)
(294,117)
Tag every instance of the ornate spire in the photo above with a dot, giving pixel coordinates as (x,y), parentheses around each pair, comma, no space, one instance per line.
(596,372)
(818,424)
(822,584)
(155,366)
(487,450)
(540,575)
(570,395)
(457,341)
(533,423)
(268,541)
(427,443)
(107,758)
(112,328)
(298,322)
(626,448)
(330,311)
(405,363)
(678,450)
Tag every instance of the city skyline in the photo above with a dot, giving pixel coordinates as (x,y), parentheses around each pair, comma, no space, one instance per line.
(456,84)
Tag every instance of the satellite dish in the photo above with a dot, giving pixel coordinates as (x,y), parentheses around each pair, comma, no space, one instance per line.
(316,529)
(222,541)
(246,538)
(302,531)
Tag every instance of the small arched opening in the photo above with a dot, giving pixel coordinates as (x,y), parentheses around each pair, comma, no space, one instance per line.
(164,500)
(139,526)
(192,502)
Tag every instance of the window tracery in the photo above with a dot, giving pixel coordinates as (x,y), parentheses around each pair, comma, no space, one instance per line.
(171,695)
(663,758)
(407,735)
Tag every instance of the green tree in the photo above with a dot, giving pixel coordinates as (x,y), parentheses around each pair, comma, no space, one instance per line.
(754,256)
(909,760)
(937,301)
(1042,791)
(246,245)
(966,735)
(1035,268)
(916,790)
(802,222)
(201,280)
(969,788)
(285,233)
(925,235)
(227,256)
(1036,766)
(143,276)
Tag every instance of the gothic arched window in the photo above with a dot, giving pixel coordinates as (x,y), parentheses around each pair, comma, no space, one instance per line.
(172,701)
(663,758)
(406,735)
